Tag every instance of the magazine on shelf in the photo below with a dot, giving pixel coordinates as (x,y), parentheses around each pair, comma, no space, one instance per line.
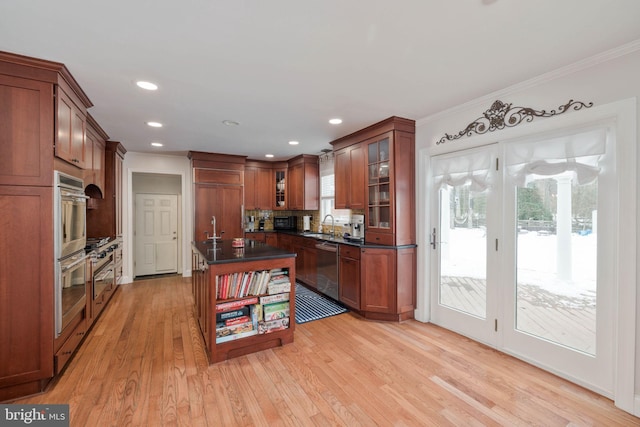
(232,314)
(275,311)
(266,327)
(234,305)
(277,288)
(274,298)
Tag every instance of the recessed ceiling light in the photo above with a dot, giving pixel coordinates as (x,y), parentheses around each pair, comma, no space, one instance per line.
(335,121)
(268,155)
(147,85)
(230,122)
(157,144)
(294,142)
(155,124)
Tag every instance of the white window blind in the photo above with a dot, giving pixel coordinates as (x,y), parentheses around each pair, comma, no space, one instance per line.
(576,155)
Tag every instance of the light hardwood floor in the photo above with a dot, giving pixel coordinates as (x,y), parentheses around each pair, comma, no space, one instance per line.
(143,364)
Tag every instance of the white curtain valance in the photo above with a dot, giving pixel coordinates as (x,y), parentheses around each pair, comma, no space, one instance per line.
(472,167)
(576,154)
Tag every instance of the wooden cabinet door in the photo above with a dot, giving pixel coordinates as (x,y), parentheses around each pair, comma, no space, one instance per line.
(26,129)
(378,271)
(310,265)
(26,305)
(349,272)
(342,171)
(223,202)
(296,187)
(350,178)
(250,177)
(70,138)
(263,189)
(258,189)
(94,158)
(271,239)
(257,236)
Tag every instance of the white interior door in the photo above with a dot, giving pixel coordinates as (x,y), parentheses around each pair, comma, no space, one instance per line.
(156,234)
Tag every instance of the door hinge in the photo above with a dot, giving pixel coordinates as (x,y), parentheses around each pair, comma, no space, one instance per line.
(495,324)
(496,244)
(497,164)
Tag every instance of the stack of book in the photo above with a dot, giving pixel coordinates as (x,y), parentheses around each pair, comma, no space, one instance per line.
(278,282)
(239,285)
(274,313)
(236,319)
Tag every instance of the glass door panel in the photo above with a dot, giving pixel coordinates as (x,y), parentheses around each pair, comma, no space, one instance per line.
(557,253)
(379,188)
(463,250)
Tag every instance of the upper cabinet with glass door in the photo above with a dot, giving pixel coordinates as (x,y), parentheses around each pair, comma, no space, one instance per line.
(379,177)
(388,179)
(280,188)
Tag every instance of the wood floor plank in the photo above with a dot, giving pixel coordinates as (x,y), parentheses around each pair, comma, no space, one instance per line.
(144,363)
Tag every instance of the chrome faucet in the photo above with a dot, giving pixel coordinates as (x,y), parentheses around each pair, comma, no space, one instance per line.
(333,229)
(214,237)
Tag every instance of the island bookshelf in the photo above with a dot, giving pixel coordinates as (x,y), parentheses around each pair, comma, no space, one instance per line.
(204,276)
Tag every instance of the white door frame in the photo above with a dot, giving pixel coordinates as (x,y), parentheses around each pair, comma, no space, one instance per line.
(185,215)
(621,116)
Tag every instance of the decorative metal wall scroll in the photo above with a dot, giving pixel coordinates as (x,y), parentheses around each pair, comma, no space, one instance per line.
(502,115)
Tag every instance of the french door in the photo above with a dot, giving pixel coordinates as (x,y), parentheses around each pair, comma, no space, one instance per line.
(519,258)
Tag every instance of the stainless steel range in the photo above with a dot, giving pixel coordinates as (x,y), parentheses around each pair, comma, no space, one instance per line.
(103,263)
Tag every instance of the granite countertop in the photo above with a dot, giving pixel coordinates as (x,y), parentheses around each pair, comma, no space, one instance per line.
(342,240)
(223,252)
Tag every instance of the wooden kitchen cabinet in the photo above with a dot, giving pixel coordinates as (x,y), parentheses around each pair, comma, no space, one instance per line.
(26,305)
(30,91)
(200,288)
(257,186)
(279,185)
(303,183)
(388,181)
(223,202)
(258,236)
(349,276)
(388,283)
(71,128)
(349,166)
(104,216)
(285,241)
(306,260)
(218,191)
(26,129)
(271,239)
(95,143)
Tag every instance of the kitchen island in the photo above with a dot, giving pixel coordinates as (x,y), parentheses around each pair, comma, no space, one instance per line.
(233,287)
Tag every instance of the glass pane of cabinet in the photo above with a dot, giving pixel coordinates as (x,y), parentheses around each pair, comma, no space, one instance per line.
(280,189)
(378,179)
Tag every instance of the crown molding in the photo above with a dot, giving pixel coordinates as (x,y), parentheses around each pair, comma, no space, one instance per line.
(536,81)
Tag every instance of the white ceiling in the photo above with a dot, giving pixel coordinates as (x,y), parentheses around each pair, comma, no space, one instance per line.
(283,68)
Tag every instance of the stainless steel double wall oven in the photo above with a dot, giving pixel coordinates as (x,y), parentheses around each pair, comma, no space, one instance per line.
(70,240)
